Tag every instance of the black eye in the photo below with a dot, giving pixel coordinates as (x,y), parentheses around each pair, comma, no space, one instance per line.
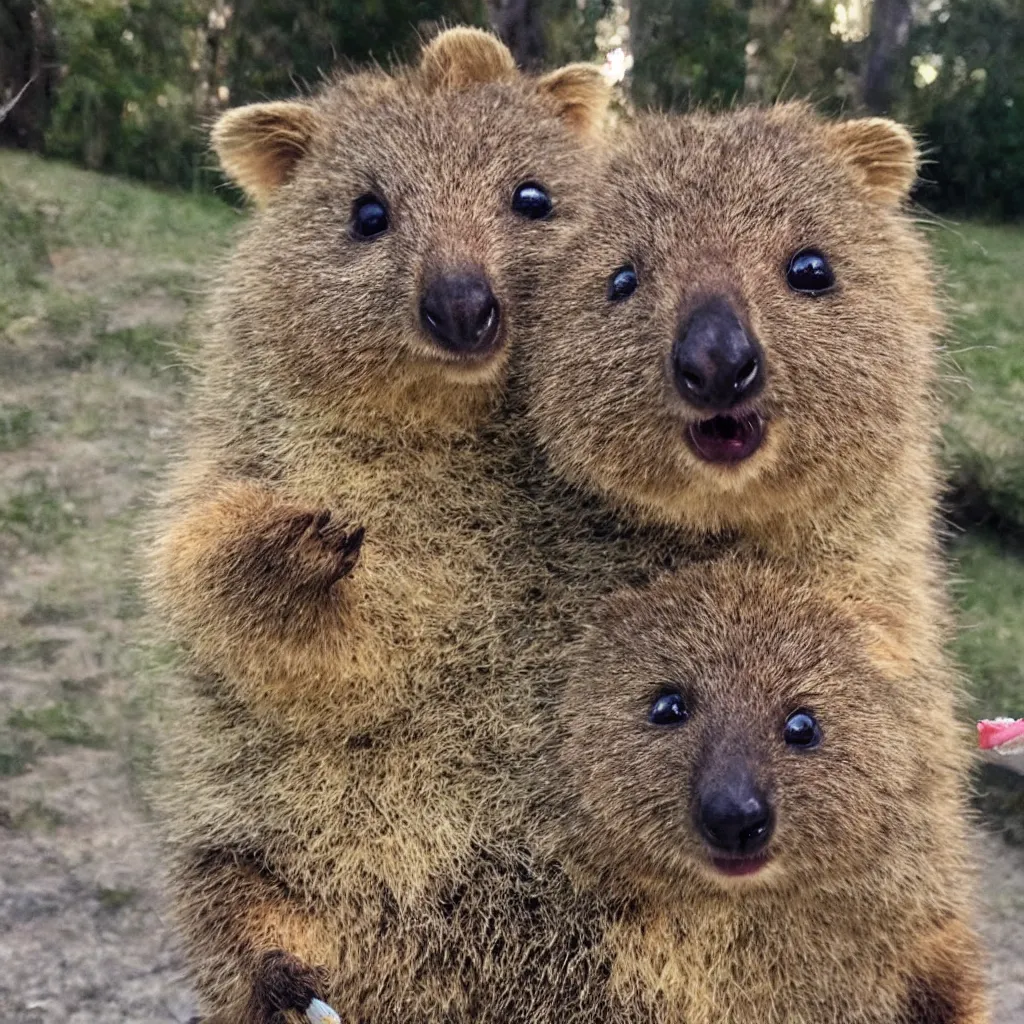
(809,273)
(622,283)
(802,730)
(669,709)
(530,200)
(369,217)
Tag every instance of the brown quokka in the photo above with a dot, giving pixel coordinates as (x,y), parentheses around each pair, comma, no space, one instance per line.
(748,346)
(335,781)
(779,803)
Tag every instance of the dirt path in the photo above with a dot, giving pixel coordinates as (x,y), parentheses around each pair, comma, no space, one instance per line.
(87,404)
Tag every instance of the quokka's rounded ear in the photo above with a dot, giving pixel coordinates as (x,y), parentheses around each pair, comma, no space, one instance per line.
(882,153)
(579,95)
(461,57)
(260,145)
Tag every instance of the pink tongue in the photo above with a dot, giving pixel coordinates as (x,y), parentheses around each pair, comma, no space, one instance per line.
(739,867)
(724,438)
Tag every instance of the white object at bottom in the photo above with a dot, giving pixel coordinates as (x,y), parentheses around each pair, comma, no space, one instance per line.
(320,1013)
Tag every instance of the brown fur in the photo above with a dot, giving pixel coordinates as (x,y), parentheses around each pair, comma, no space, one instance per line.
(352,779)
(340,784)
(861,914)
(708,205)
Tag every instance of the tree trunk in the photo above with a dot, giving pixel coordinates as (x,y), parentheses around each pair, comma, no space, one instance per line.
(28,72)
(890,29)
(518,24)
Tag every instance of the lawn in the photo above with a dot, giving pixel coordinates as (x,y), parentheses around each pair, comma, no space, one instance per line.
(985,433)
(98,279)
(985,454)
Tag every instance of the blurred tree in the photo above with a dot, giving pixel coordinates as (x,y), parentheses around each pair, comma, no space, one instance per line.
(687,51)
(518,23)
(963,90)
(719,51)
(279,45)
(886,52)
(126,100)
(794,50)
(571,28)
(548,32)
(28,71)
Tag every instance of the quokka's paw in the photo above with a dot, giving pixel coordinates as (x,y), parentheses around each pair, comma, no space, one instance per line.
(283,982)
(321,549)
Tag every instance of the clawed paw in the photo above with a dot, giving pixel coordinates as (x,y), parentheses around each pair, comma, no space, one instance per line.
(283,982)
(321,549)
(335,539)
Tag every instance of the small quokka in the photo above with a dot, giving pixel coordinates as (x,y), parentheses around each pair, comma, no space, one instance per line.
(778,805)
(337,559)
(745,343)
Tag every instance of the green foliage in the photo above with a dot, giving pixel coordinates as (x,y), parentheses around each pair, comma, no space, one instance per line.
(279,44)
(793,52)
(972,114)
(126,102)
(570,29)
(716,52)
(140,79)
(688,51)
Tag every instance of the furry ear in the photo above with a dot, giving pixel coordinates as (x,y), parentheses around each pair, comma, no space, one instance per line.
(460,57)
(259,145)
(882,153)
(580,96)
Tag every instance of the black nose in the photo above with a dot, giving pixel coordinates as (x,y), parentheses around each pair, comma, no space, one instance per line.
(736,817)
(716,363)
(461,313)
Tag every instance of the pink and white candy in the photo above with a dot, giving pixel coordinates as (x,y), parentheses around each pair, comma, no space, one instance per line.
(1003,735)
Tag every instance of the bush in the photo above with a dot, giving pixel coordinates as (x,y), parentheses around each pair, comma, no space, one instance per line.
(126,102)
(971,114)
(688,51)
(279,45)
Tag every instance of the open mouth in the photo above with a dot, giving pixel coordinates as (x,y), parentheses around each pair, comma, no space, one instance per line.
(727,439)
(737,867)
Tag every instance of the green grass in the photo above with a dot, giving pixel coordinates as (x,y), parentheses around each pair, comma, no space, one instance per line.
(115,899)
(16,755)
(147,345)
(990,594)
(985,433)
(124,241)
(71,207)
(17,427)
(985,454)
(61,722)
(38,514)
(37,817)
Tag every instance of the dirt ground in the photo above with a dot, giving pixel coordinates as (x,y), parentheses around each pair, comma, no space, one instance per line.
(87,406)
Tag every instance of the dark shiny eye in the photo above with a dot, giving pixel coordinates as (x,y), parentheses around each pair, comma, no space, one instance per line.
(669,709)
(622,283)
(809,273)
(802,730)
(369,217)
(532,201)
